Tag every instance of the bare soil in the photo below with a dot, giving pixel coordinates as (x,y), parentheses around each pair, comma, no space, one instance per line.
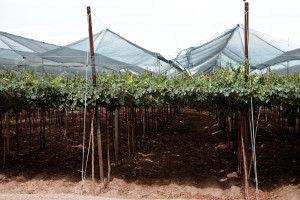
(189,159)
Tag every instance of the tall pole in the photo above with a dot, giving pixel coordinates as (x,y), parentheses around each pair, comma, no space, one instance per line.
(91,45)
(91,40)
(246,39)
(244,136)
(96,110)
(247,64)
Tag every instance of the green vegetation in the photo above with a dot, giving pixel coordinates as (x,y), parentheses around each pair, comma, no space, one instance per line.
(225,91)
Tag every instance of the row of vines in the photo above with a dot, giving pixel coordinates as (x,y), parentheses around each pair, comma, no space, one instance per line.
(144,103)
(226,91)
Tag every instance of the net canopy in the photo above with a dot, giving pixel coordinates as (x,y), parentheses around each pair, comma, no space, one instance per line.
(229,47)
(285,63)
(14,50)
(112,52)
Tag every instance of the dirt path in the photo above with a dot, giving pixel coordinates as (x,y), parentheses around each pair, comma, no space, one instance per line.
(190,158)
(51,197)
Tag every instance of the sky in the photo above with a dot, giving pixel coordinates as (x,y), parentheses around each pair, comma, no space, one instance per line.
(164,26)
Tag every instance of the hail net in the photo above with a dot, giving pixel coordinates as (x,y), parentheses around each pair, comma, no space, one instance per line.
(112,52)
(264,52)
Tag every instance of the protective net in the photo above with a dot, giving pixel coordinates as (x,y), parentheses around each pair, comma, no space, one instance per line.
(112,52)
(286,63)
(16,50)
(229,47)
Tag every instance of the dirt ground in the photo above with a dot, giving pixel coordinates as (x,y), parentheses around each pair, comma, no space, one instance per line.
(189,159)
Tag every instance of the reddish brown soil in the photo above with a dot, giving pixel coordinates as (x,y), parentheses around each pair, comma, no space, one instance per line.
(190,158)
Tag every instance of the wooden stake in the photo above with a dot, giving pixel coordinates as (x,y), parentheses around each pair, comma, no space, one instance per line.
(7,135)
(30,130)
(66,123)
(246,39)
(129,131)
(116,143)
(99,141)
(93,155)
(91,41)
(44,127)
(299,120)
(141,125)
(50,116)
(133,133)
(144,125)
(4,148)
(152,116)
(243,133)
(239,149)
(17,131)
(41,129)
(107,137)
(167,112)
(73,124)
(148,121)
(244,156)
(156,119)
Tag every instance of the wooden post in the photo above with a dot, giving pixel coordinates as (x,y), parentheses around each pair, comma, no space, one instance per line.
(7,134)
(167,112)
(2,134)
(129,131)
(141,125)
(41,129)
(134,131)
(17,131)
(144,125)
(246,39)
(152,116)
(66,123)
(108,143)
(44,127)
(73,124)
(156,119)
(299,120)
(30,130)
(239,154)
(91,40)
(93,155)
(244,155)
(99,142)
(49,120)
(243,124)
(116,137)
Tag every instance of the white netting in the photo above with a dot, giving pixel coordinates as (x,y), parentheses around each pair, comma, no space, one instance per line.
(264,51)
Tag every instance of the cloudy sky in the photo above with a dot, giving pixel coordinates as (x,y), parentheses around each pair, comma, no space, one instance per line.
(165,26)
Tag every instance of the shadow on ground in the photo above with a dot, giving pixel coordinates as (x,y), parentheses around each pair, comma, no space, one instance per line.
(189,158)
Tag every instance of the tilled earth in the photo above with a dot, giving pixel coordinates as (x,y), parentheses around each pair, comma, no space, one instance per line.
(189,159)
